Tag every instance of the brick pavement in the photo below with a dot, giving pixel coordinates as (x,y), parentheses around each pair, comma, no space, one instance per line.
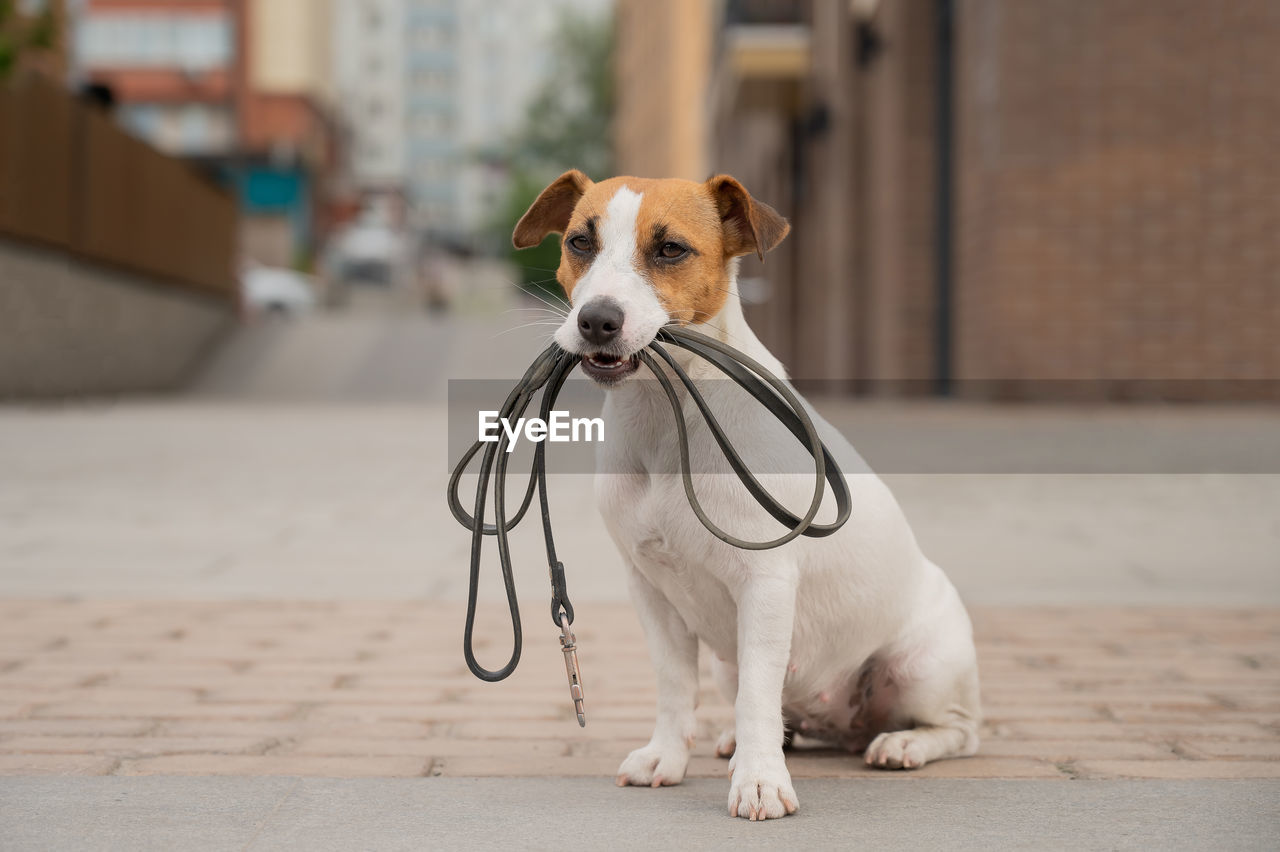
(380,689)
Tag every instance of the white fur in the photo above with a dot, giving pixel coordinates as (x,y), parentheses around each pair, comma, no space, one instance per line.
(790,628)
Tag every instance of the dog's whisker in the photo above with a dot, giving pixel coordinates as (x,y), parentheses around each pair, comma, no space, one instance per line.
(527,325)
(537,291)
(546,322)
(552,305)
(556,310)
(536,311)
(533,308)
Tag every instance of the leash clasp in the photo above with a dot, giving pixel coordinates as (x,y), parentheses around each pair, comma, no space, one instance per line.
(568,644)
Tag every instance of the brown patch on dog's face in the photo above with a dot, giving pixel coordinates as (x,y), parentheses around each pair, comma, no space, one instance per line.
(680,249)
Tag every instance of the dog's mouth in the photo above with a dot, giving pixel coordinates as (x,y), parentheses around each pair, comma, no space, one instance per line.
(609,369)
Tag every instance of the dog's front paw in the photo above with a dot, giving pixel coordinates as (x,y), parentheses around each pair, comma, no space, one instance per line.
(655,765)
(761,788)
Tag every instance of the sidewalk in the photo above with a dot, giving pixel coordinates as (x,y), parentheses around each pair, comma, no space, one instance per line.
(163,814)
(380,690)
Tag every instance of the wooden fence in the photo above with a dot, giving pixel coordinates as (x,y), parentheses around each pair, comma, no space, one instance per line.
(71,180)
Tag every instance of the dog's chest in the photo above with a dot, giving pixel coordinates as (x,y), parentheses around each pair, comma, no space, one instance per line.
(646,519)
(648,516)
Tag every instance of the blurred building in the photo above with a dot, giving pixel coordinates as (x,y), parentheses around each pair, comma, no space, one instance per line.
(990,196)
(290,158)
(240,86)
(434,146)
(432,90)
(505,54)
(368,45)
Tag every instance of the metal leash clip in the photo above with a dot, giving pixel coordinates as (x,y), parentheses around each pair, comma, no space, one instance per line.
(568,644)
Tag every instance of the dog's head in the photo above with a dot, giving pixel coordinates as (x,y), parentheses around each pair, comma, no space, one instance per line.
(638,254)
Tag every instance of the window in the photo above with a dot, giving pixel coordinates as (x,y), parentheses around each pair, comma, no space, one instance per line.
(432,79)
(192,41)
(433,123)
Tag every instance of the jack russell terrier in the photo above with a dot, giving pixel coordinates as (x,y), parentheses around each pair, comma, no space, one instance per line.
(856,638)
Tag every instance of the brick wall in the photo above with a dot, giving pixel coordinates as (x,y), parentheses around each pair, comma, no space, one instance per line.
(899,231)
(1118,190)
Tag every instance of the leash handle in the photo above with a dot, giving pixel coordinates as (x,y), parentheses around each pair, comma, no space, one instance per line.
(549,372)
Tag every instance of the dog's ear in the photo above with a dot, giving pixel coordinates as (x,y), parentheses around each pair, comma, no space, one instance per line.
(749,225)
(550,213)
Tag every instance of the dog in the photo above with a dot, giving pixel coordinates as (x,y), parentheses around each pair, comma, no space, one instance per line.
(855,638)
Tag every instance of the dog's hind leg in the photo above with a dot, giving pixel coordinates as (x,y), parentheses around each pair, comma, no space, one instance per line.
(935,708)
(948,730)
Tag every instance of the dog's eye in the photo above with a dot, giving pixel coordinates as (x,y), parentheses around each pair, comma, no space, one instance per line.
(580,243)
(672,250)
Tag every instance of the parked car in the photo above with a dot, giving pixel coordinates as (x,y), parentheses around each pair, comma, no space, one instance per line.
(276,292)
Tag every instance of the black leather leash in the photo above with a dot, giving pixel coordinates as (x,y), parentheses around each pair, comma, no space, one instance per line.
(550,371)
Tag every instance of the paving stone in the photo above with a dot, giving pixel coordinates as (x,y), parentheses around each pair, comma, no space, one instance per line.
(1268,749)
(57,764)
(130,746)
(75,727)
(1198,769)
(430,747)
(300,765)
(88,709)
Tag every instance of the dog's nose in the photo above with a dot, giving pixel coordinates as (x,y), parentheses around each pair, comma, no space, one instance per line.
(600,321)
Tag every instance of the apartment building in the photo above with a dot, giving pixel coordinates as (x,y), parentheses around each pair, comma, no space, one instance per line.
(432,91)
(368,42)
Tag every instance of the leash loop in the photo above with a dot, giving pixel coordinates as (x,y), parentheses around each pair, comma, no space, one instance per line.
(548,373)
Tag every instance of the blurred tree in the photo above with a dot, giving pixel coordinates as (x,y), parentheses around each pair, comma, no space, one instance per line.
(18,34)
(567,126)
